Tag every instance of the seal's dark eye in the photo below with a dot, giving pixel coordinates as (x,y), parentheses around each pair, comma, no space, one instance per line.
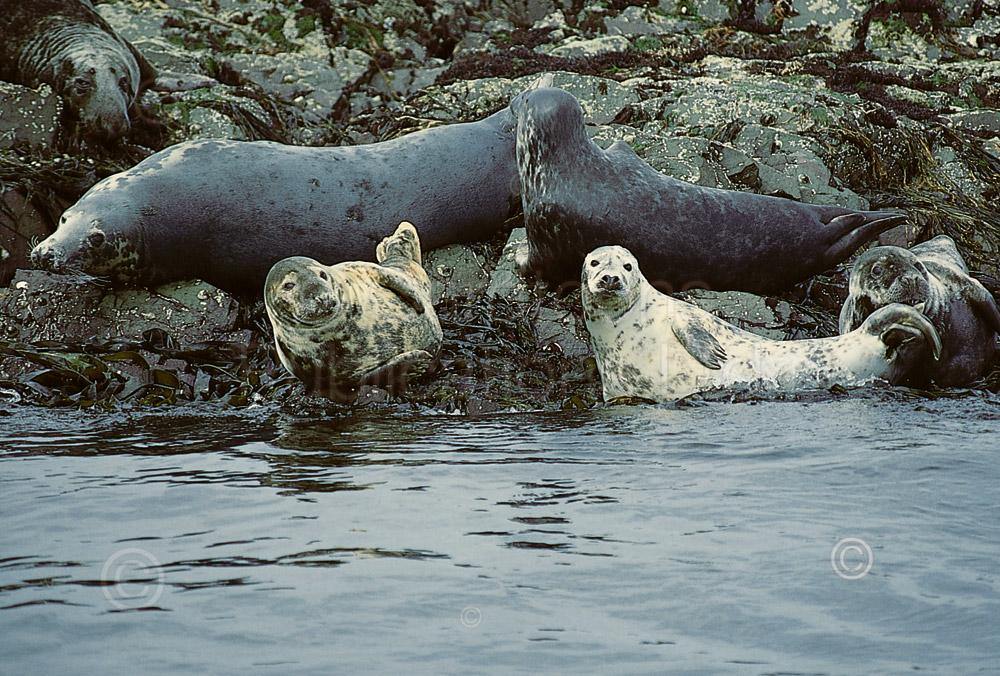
(593,263)
(877,270)
(288,286)
(96,238)
(628,267)
(123,84)
(323,276)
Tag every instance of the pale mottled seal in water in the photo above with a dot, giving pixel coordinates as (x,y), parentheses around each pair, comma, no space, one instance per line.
(932,277)
(345,325)
(577,197)
(651,346)
(226,211)
(67,44)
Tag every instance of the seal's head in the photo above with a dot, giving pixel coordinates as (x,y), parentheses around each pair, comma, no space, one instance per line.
(98,90)
(548,119)
(301,292)
(610,281)
(888,274)
(93,246)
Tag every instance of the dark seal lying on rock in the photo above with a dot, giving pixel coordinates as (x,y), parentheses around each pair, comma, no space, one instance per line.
(67,44)
(932,277)
(651,346)
(577,197)
(226,211)
(355,323)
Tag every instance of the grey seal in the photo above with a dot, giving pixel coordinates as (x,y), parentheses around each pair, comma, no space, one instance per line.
(226,211)
(577,197)
(651,346)
(68,45)
(933,277)
(338,327)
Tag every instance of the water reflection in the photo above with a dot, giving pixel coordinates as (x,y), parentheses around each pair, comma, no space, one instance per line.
(647,537)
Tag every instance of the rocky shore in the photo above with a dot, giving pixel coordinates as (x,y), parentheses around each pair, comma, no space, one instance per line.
(863,105)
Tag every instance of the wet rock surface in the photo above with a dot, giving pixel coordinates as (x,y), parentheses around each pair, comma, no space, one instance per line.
(862,105)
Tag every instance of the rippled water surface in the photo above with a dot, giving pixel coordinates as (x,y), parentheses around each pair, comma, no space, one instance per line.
(631,539)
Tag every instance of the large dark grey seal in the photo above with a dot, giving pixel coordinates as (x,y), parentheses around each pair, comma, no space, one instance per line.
(933,278)
(651,346)
(338,327)
(577,197)
(67,44)
(226,211)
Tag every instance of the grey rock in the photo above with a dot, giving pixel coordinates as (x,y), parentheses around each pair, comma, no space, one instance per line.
(28,116)
(759,315)
(976,120)
(605,44)
(556,330)
(41,306)
(313,84)
(21,224)
(456,270)
(505,282)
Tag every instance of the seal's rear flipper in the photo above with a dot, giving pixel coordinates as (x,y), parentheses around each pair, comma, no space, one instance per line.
(394,374)
(850,231)
(403,243)
(896,324)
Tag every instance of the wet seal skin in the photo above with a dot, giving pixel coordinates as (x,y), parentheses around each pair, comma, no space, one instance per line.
(226,211)
(342,326)
(651,346)
(932,277)
(67,44)
(577,197)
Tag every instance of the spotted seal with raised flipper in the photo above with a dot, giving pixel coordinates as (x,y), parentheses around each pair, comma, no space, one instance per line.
(342,326)
(651,346)
(933,277)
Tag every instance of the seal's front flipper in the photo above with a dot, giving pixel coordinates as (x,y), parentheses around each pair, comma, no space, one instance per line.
(700,344)
(394,374)
(984,304)
(405,287)
(403,244)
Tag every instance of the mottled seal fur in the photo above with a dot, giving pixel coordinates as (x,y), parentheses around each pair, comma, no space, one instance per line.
(67,44)
(932,277)
(338,327)
(226,211)
(577,197)
(651,346)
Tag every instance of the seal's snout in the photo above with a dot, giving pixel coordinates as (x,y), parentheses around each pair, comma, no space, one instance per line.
(48,258)
(610,283)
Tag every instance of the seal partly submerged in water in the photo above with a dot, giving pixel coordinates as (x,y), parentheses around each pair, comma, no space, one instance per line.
(577,197)
(932,277)
(338,327)
(226,211)
(651,346)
